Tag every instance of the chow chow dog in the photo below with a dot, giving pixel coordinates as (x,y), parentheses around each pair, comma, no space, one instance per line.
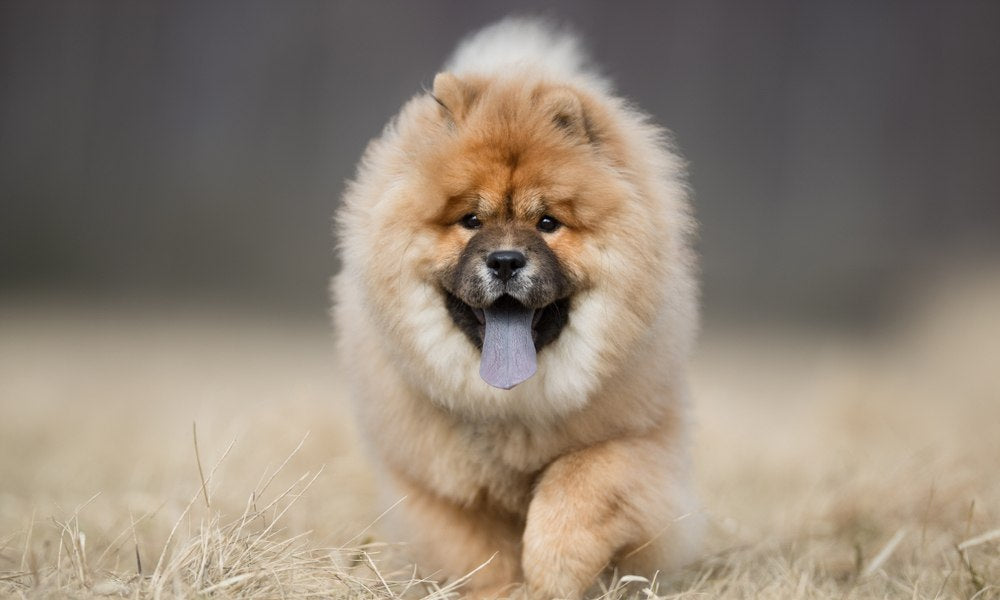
(515,310)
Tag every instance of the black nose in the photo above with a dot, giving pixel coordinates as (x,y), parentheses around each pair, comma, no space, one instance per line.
(505,263)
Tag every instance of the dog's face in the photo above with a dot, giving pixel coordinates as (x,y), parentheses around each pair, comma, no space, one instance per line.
(509,234)
(522,192)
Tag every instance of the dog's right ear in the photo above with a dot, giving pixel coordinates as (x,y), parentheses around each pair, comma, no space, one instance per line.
(453,95)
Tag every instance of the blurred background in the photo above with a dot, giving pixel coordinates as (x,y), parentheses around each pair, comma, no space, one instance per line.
(168,175)
(195,151)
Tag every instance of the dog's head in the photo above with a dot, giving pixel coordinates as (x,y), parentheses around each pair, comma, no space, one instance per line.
(520,225)
(520,162)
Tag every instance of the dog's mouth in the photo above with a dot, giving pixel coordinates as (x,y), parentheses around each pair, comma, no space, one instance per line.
(509,334)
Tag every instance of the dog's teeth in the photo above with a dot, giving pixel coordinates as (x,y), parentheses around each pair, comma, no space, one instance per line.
(479,315)
(537,316)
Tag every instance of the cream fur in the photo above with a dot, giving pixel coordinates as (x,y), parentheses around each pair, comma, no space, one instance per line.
(586,461)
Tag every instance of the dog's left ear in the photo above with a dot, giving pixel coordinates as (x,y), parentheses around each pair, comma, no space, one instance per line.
(453,95)
(566,111)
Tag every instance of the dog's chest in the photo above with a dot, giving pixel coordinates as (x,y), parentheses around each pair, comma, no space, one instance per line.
(500,467)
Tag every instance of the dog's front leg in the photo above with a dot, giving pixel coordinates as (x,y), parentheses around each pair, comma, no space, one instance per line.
(599,503)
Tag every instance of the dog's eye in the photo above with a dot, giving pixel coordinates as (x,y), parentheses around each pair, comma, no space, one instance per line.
(548,224)
(471,221)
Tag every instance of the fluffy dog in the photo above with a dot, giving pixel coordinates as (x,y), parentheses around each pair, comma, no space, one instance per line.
(515,310)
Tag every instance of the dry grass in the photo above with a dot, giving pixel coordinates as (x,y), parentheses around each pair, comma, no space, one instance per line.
(831,465)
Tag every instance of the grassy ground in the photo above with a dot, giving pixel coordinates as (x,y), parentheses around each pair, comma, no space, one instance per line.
(832,465)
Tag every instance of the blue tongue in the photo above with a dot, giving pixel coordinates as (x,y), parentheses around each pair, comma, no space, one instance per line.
(508,348)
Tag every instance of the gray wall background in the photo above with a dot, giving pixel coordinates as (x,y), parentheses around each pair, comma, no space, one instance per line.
(196,150)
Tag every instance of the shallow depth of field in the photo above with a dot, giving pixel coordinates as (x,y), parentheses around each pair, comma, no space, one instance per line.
(172,422)
(832,464)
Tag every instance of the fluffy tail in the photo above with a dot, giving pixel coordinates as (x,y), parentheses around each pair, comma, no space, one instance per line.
(519,42)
